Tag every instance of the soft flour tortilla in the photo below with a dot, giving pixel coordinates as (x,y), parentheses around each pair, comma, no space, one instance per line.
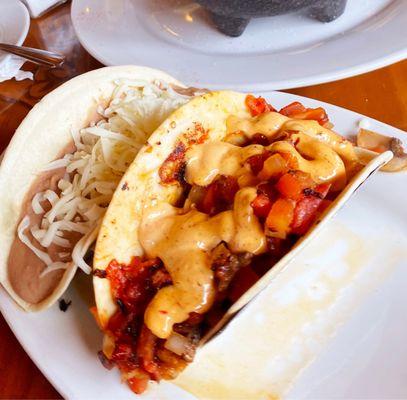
(118,237)
(40,139)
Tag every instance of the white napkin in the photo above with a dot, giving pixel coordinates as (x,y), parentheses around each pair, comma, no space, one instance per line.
(10,69)
(37,7)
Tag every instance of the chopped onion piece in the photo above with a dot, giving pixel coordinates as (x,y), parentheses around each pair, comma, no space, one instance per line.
(180,345)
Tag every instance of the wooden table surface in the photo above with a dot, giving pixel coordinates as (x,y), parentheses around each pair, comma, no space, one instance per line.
(381,94)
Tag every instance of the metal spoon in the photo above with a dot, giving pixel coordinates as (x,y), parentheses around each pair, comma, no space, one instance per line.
(37,56)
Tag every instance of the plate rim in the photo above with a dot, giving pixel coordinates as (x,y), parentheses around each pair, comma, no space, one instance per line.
(370,64)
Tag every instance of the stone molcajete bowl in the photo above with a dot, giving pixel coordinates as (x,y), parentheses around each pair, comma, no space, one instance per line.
(232,16)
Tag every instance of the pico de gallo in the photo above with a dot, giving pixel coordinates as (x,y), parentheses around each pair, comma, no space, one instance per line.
(273,193)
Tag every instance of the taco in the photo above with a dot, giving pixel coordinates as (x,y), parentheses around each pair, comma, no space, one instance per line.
(61,169)
(221,192)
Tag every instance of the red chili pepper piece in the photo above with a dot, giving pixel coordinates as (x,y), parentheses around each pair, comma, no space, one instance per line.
(261,205)
(291,109)
(292,184)
(256,162)
(316,114)
(298,111)
(138,385)
(219,195)
(280,216)
(257,105)
(307,209)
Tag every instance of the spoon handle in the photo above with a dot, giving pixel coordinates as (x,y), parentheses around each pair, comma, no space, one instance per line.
(37,56)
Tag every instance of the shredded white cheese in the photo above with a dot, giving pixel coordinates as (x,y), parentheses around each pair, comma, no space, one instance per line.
(61,163)
(103,153)
(36,203)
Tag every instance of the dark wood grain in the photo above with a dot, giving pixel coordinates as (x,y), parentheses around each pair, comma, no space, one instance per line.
(19,377)
(381,94)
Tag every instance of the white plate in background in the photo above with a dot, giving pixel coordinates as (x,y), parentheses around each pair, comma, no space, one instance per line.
(273,53)
(367,358)
(14,24)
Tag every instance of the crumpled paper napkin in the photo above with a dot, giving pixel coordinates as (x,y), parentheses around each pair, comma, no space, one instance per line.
(10,68)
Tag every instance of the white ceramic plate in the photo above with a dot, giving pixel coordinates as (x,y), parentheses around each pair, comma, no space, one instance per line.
(367,358)
(14,24)
(273,53)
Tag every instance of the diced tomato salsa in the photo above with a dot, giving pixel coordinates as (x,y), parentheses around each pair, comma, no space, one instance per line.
(296,205)
(136,348)
(219,195)
(257,105)
(296,110)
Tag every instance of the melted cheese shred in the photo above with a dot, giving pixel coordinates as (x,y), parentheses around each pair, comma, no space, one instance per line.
(184,242)
(322,163)
(211,159)
(270,124)
(340,145)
